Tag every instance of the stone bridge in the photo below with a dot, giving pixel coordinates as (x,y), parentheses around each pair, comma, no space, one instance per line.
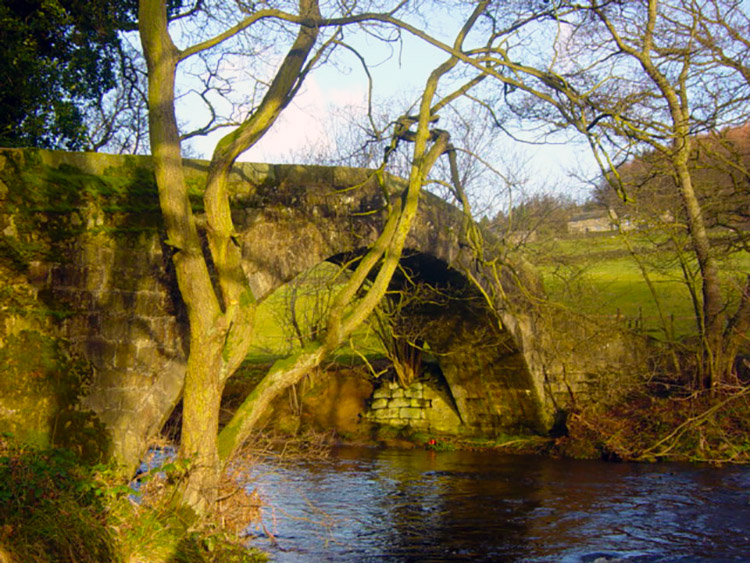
(90,278)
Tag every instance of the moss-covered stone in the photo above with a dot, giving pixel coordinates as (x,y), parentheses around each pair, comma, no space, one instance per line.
(40,388)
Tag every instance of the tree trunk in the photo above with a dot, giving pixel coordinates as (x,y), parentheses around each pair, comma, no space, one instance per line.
(207,330)
(713,316)
(200,420)
(221,318)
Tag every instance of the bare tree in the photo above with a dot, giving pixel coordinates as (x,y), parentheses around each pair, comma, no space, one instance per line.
(117,122)
(627,76)
(679,90)
(221,310)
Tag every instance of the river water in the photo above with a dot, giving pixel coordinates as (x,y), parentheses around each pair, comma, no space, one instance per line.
(389,505)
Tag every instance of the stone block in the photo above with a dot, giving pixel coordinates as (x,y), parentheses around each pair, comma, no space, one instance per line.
(164,331)
(418,403)
(97,276)
(344,177)
(391,413)
(411,413)
(67,276)
(126,355)
(399,402)
(101,352)
(238,216)
(295,174)
(396,393)
(413,393)
(148,355)
(148,283)
(387,413)
(380,393)
(148,302)
(38,272)
(379,404)
(117,329)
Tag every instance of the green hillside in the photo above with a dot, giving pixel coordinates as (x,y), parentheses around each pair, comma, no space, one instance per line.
(598,275)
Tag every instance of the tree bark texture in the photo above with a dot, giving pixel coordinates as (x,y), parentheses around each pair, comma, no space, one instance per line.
(220,317)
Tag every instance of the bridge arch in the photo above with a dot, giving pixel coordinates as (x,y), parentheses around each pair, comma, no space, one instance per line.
(479,363)
(481,360)
(109,266)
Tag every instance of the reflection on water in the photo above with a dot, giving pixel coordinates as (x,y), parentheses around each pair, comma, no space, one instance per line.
(374,505)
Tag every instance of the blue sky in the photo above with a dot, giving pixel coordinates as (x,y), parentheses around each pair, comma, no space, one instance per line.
(399,74)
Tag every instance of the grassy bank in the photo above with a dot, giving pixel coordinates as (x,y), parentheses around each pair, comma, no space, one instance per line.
(597,275)
(55,508)
(658,416)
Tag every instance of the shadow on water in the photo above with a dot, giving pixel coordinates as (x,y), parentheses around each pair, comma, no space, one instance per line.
(374,505)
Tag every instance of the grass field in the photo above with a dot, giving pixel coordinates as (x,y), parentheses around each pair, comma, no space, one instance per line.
(597,275)
(274,336)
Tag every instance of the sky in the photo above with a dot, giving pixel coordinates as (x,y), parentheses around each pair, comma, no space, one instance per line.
(309,120)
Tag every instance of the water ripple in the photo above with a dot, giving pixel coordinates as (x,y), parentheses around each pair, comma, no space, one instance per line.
(371,505)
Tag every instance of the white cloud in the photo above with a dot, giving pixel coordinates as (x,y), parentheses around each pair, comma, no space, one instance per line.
(306,121)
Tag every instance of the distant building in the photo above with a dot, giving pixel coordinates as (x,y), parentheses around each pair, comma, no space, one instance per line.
(591,222)
(600,221)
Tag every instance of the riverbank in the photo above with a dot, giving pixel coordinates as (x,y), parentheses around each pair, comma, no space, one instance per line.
(641,426)
(55,508)
(647,420)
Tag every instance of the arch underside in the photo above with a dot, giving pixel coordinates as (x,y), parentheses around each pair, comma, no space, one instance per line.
(479,359)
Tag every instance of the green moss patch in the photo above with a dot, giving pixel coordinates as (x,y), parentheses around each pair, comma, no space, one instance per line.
(39,392)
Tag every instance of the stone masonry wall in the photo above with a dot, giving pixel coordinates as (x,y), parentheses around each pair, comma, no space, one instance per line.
(420,406)
(92,333)
(80,240)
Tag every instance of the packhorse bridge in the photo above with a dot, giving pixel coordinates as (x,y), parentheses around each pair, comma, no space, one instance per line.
(90,294)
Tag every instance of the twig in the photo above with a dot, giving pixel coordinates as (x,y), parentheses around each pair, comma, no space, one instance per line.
(677,433)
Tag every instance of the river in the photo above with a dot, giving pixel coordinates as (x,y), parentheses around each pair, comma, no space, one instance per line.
(390,505)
